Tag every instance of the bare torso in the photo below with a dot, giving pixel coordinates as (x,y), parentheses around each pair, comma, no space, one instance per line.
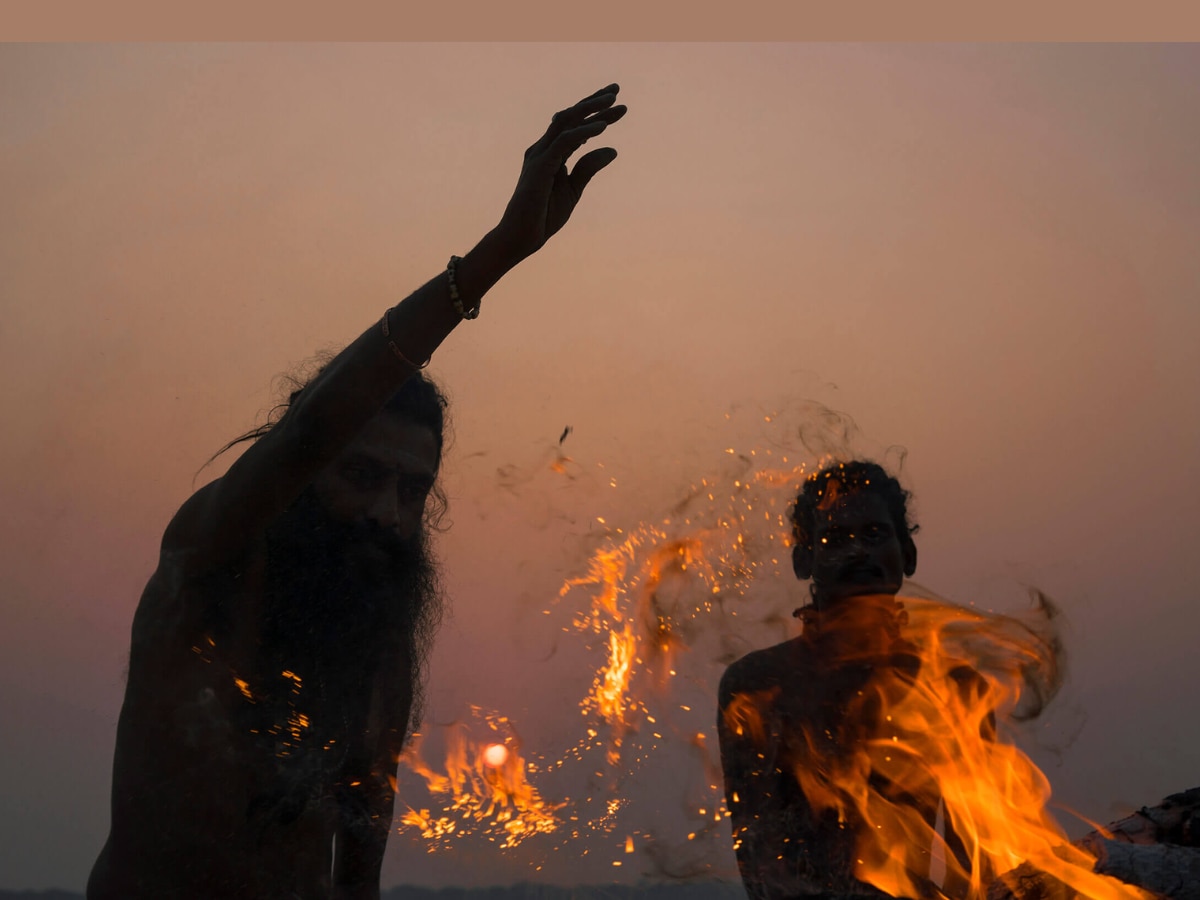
(786,717)
(217,793)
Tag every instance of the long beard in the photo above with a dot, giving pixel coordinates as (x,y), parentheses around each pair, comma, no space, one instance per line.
(343,602)
(343,628)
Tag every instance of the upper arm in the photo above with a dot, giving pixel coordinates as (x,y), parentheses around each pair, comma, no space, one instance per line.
(747,762)
(732,736)
(225,517)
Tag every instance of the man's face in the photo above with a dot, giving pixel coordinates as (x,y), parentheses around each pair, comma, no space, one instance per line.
(377,488)
(349,558)
(856,550)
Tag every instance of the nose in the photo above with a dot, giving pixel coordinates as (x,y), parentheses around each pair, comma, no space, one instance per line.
(389,510)
(856,548)
(384,510)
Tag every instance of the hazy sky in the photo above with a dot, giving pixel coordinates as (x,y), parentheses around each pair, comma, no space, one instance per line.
(980,253)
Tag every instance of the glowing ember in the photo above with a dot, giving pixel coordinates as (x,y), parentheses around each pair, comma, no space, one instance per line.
(649,594)
(667,604)
(483,789)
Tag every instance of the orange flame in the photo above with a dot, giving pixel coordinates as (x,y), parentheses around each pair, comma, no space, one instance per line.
(926,720)
(919,729)
(481,790)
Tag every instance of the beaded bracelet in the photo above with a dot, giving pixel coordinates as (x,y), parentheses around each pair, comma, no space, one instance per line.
(383,323)
(454,298)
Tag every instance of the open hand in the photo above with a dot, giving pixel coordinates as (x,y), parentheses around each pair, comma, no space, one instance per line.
(546,192)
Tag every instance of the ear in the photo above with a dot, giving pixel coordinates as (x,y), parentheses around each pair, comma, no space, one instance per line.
(910,557)
(802,561)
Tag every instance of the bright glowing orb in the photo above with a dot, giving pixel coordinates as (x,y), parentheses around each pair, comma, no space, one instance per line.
(495,755)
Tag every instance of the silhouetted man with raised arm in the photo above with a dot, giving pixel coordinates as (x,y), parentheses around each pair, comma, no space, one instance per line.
(792,714)
(278,647)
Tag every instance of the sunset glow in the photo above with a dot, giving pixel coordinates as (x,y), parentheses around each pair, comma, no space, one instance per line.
(974,263)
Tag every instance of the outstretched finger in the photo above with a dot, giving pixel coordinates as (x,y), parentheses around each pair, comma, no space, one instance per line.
(570,141)
(613,89)
(610,115)
(601,99)
(589,164)
(574,116)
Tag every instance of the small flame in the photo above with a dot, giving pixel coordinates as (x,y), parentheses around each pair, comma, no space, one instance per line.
(483,788)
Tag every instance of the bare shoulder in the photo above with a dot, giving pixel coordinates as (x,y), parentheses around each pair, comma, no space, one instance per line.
(192,591)
(186,527)
(206,534)
(761,669)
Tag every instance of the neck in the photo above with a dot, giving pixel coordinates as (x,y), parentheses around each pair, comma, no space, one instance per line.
(863,625)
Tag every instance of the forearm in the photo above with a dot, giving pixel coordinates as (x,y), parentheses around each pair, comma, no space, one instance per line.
(360,379)
(361,842)
(359,854)
(356,892)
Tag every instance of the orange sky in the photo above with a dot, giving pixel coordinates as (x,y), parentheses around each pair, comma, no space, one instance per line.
(978,252)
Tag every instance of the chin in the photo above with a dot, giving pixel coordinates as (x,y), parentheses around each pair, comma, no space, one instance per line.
(859,591)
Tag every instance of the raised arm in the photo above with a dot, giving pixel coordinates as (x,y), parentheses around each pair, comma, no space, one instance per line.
(222,519)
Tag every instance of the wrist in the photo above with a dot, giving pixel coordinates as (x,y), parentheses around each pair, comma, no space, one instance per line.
(478,271)
(499,250)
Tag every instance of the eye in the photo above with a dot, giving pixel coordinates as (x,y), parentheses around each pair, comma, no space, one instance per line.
(362,477)
(412,490)
(877,533)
